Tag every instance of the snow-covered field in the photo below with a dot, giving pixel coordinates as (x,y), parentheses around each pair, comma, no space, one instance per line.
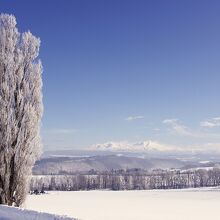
(12,213)
(190,204)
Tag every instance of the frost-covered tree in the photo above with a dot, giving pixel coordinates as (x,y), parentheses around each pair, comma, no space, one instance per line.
(20,109)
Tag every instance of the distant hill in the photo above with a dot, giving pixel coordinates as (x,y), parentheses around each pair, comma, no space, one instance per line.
(57,165)
(75,161)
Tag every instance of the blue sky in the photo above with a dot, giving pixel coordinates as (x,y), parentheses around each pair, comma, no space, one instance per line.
(126,70)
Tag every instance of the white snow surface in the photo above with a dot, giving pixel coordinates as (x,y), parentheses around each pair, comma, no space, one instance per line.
(12,213)
(190,204)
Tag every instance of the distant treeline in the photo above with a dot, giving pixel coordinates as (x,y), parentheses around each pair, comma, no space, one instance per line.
(134,179)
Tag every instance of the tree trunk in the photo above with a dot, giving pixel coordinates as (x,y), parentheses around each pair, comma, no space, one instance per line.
(7,182)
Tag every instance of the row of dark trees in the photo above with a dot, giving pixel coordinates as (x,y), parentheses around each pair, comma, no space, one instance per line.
(128,180)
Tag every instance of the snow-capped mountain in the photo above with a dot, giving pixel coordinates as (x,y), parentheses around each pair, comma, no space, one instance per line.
(144,146)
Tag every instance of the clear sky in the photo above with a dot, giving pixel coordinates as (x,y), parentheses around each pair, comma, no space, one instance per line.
(122,70)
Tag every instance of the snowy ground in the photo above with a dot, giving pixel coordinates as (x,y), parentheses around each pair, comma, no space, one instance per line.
(190,204)
(11,213)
